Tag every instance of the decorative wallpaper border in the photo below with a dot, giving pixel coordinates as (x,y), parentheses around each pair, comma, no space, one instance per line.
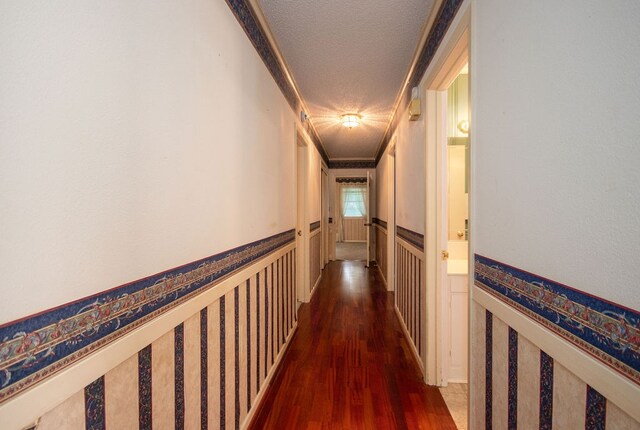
(445,17)
(243,11)
(352,164)
(379,222)
(361,180)
(38,346)
(314,226)
(411,236)
(605,330)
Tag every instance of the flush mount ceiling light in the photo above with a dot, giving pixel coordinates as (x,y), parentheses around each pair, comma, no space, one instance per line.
(350,120)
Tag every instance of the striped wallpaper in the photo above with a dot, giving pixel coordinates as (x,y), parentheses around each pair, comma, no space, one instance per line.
(517,385)
(207,372)
(315,266)
(381,249)
(411,292)
(354,229)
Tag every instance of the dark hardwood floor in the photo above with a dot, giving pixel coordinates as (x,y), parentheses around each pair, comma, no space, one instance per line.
(349,365)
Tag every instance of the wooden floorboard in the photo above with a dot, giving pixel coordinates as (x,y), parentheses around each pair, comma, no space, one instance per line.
(349,365)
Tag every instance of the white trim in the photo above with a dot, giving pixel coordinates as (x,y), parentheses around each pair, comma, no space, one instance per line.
(407,336)
(25,408)
(615,387)
(313,290)
(266,384)
(410,247)
(384,280)
(437,78)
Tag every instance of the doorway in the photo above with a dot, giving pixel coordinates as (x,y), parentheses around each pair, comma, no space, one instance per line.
(324,217)
(454,243)
(302,220)
(353,218)
(448,220)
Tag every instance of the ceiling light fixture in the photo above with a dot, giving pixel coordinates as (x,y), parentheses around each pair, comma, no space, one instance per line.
(350,120)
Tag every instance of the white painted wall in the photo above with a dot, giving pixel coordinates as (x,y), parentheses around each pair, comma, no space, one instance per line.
(382,189)
(134,137)
(556,132)
(314,182)
(410,172)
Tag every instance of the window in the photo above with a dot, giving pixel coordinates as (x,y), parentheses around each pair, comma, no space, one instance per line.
(353,201)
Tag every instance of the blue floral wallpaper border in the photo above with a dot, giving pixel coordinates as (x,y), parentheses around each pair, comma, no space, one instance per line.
(362,180)
(352,164)
(445,17)
(38,346)
(414,238)
(243,11)
(379,222)
(605,330)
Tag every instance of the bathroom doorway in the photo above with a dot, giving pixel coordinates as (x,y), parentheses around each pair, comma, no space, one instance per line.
(454,245)
(448,220)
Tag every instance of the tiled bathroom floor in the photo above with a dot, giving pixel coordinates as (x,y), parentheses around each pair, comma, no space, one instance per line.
(455,396)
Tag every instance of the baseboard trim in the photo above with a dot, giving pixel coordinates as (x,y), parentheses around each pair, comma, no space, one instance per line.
(384,280)
(253,412)
(407,336)
(313,290)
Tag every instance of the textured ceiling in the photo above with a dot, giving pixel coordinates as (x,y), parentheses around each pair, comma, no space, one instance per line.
(348,56)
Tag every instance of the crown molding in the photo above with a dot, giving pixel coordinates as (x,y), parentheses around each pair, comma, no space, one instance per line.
(433,34)
(254,24)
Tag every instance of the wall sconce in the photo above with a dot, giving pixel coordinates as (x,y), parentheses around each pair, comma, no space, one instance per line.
(463,126)
(350,120)
(414,105)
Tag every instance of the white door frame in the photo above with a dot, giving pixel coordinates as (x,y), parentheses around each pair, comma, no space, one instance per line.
(452,54)
(391,215)
(324,214)
(302,218)
(367,220)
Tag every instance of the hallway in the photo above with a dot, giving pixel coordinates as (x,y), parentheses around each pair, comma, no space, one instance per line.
(349,365)
(175,177)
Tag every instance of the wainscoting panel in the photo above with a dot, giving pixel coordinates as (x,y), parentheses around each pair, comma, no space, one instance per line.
(211,369)
(549,356)
(381,249)
(410,294)
(315,243)
(354,229)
